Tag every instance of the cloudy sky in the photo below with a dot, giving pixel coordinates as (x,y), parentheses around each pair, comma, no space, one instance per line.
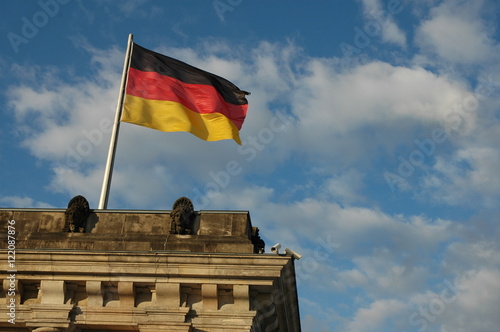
(370,144)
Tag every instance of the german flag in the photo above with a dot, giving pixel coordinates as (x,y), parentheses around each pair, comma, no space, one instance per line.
(169,95)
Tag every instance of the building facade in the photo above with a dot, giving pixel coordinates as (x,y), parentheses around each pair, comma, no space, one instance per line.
(78,269)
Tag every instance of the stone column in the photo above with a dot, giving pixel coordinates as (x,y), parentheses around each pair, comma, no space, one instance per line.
(241,298)
(17,286)
(168,294)
(126,293)
(94,294)
(53,291)
(209,296)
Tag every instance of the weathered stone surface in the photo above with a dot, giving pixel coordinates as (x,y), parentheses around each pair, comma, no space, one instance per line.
(126,272)
(211,231)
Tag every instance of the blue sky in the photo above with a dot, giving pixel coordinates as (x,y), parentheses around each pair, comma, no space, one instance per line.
(370,144)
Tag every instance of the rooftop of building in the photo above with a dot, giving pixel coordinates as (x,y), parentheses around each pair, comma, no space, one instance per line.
(180,229)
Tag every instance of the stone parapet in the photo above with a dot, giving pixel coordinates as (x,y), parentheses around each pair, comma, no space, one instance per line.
(212,231)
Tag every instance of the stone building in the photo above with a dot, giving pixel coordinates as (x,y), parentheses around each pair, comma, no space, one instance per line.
(79,269)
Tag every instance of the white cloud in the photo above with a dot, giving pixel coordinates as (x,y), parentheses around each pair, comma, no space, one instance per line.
(347,227)
(69,121)
(369,110)
(466,303)
(469,177)
(478,300)
(86,182)
(456,32)
(376,316)
(26,99)
(373,92)
(472,254)
(346,187)
(386,274)
(311,322)
(382,18)
(22,202)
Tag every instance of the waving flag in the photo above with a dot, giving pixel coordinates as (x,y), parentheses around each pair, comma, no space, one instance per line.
(169,95)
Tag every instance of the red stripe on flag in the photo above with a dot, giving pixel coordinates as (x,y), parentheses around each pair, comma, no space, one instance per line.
(197,97)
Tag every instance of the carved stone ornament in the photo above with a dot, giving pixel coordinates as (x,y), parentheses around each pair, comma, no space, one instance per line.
(181,216)
(76,214)
(258,243)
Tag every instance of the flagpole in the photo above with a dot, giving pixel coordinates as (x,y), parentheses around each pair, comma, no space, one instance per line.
(108,172)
